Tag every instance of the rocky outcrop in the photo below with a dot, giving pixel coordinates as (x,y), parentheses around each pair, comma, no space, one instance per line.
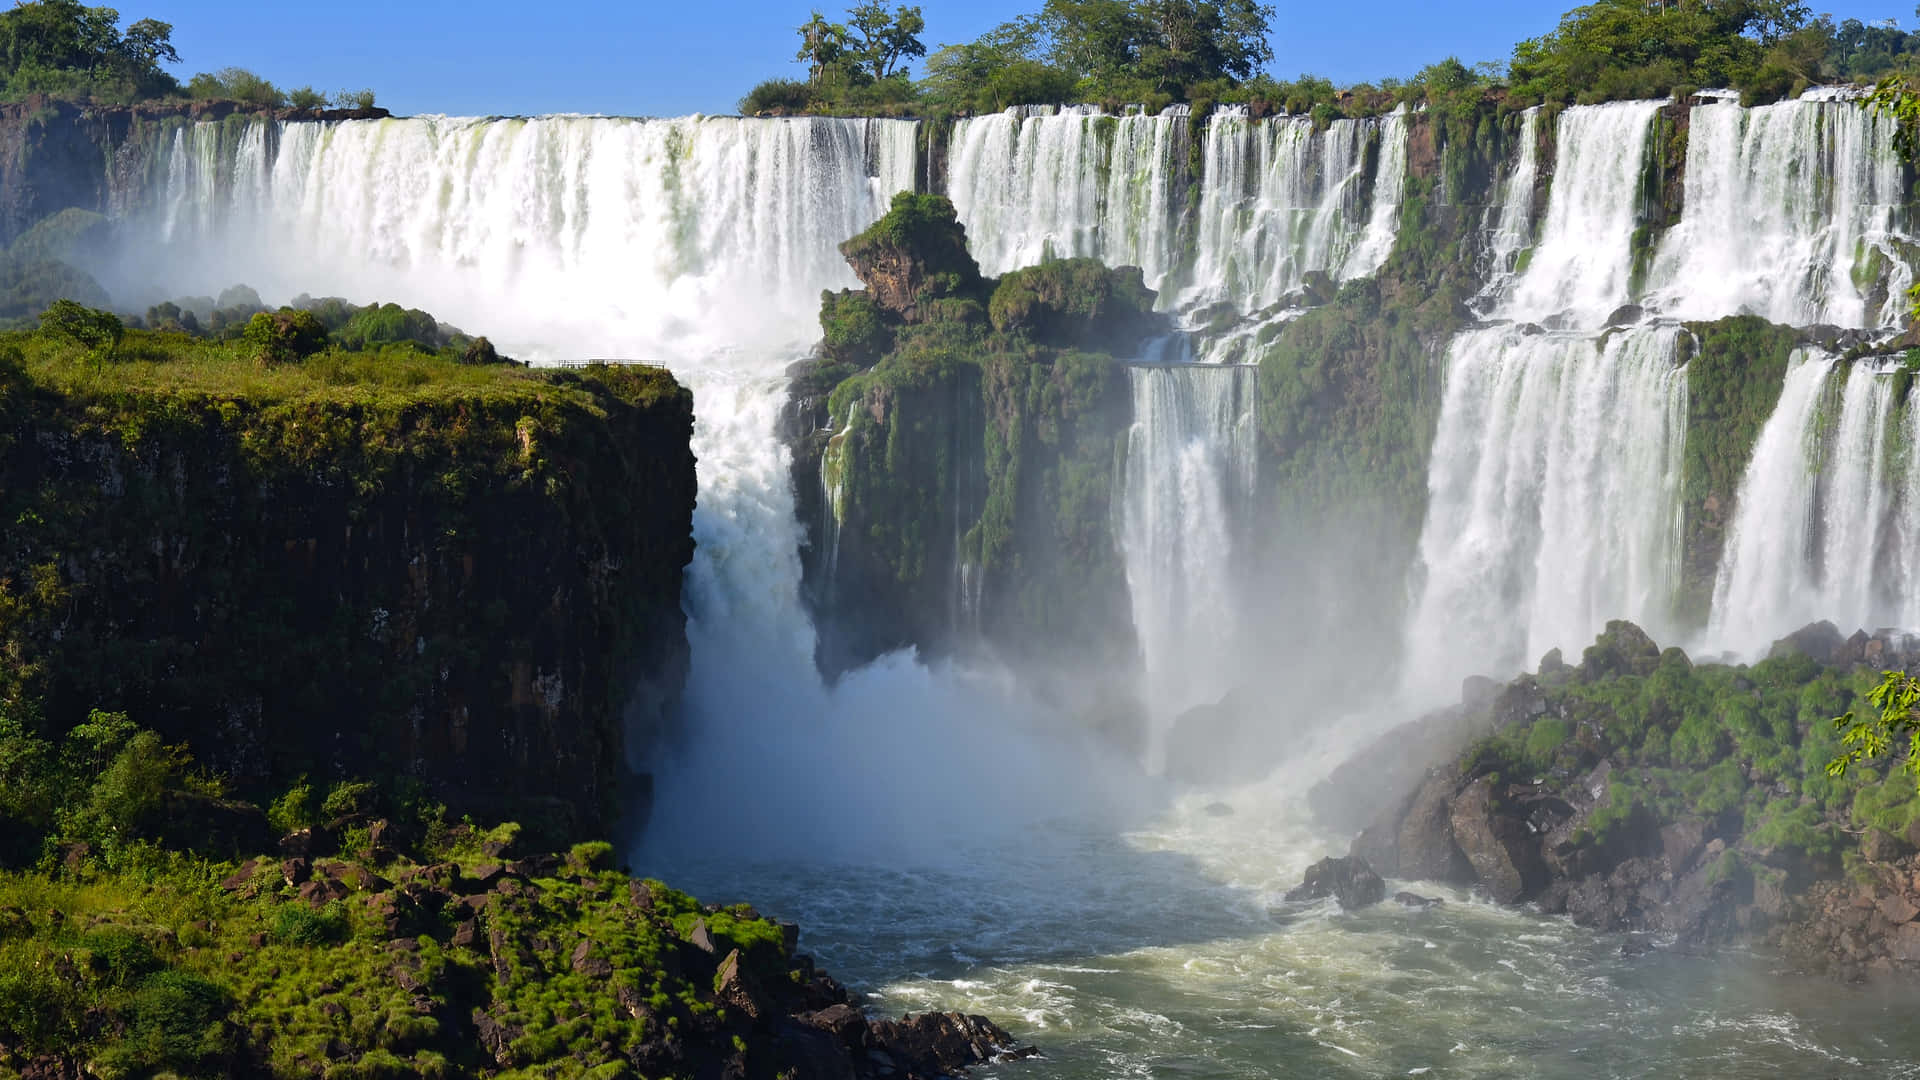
(1350,881)
(954,453)
(475,588)
(1625,794)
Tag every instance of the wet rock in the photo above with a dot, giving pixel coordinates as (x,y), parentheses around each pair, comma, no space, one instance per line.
(736,987)
(1622,649)
(1879,846)
(1504,852)
(1477,690)
(701,938)
(584,962)
(1348,880)
(1819,641)
(934,1044)
(1425,840)
(1416,901)
(844,1021)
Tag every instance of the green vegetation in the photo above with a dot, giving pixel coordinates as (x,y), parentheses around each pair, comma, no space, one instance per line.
(1746,749)
(132,952)
(64,49)
(1157,52)
(1896,703)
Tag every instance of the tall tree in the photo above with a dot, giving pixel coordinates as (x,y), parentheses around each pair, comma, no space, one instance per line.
(821,45)
(880,40)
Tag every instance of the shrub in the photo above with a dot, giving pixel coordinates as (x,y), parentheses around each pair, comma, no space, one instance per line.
(285,335)
(353,99)
(777,96)
(306,97)
(293,811)
(349,798)
(298,924)
(97,331)
(237,84)
(390,324)
(854,326)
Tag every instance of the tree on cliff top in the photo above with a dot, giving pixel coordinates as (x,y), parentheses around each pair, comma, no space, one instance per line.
(61,47)
(1616,49)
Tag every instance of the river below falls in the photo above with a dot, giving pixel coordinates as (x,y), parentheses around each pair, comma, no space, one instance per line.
(1166,950)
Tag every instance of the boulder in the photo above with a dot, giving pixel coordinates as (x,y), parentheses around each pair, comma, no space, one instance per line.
(1477,690)
(1621,649)
(1416,901)
(737,989)
(1819,641)
(936,1044)
(1348,880)
(1504,852)
(1425,840)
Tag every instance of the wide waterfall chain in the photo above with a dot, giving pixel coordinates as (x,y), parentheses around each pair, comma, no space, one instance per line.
(1279,198)
(640,236)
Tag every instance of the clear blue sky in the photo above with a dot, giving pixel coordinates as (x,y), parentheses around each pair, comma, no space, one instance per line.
(668,57)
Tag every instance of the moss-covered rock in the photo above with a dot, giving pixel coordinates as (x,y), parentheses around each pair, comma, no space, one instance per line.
(475,963)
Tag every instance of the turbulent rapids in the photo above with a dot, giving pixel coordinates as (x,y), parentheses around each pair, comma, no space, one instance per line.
(1122,923)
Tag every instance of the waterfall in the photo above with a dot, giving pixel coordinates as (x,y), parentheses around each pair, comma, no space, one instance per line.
(1389,187)
(1189,474)
(702,243)
(1512,231)
(1793,212)
(629,231)
(1553,498)
(1036,184)
(1280,200)
(1581,270)
(1824,525)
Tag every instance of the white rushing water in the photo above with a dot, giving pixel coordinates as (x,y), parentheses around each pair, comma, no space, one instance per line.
(1553,499)
(1189,480)
(1581,269)
(1280,199)
(1512,231)
(1033,184)
(633,231)
(1823,527)
(1793,212)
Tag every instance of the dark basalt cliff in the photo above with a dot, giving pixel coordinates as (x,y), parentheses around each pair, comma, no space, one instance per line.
(460,584)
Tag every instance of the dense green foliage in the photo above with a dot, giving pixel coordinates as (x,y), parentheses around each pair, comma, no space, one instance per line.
(1091,50)
(64,49)
(427,953)
(1746,748)
(1896,715)
(1156,52)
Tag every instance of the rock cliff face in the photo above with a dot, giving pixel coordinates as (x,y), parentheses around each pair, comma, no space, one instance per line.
(1637,792)
(955,446)
(463,585)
